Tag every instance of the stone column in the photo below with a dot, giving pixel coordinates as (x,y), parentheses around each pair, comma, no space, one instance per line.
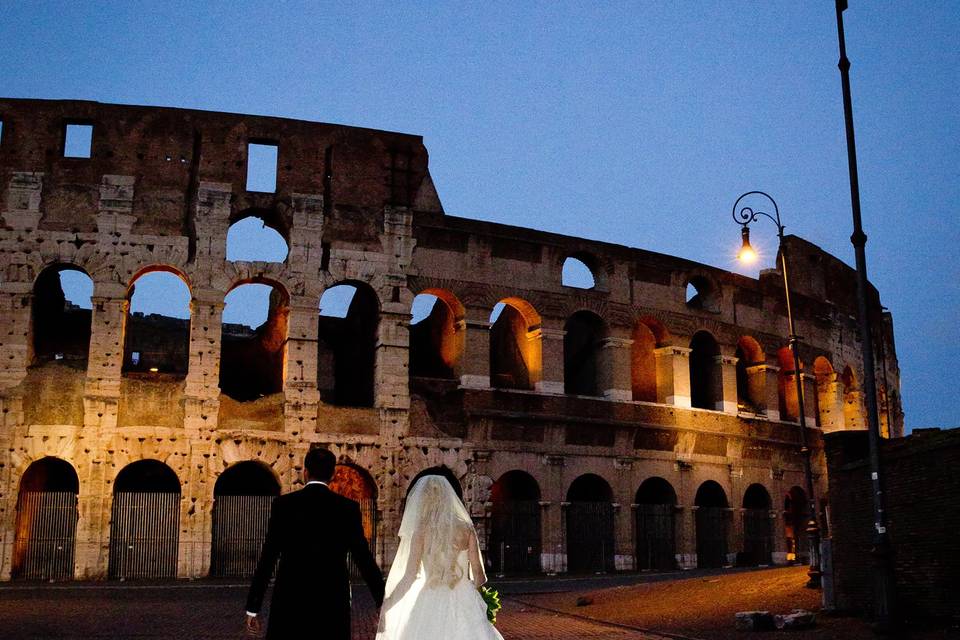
(553,517)
(728,374)
(779,555)
(102,390)
(475,367)
(687,544)
(202,387)
(757,385)
(551,350)
(615,379)
(301,396)
(772,373)
(93,527)
(673,376)
(831,407)
(623,516)
(16,350)
(392,377)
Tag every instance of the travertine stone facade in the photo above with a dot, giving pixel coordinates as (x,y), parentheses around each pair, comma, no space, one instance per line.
(645,400)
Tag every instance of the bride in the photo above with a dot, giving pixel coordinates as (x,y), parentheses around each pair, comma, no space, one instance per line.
(432,588)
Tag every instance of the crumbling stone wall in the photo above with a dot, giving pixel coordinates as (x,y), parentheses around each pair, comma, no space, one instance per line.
(159,192)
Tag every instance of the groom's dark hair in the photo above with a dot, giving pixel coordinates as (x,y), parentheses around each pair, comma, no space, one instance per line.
(320,464)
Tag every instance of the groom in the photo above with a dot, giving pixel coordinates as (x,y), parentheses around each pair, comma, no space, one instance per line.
(311,531)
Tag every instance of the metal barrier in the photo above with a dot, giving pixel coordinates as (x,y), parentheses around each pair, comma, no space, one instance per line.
(46,535)
(144,535)
(239,529)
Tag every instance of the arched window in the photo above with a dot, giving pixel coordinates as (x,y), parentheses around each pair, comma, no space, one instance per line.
(711,525)
(436,335)
(242,497)
(648,334)
(349,319)
(514,345)
(757,532)
(145,522)
(701,294)
(706,382)
(251,238)
(61,313)
(590,535)
(577,274)
(515,524)
(655,525)
(582,353)
(46,523)
(751,377)
(253,341)
(789,400)
(157,331)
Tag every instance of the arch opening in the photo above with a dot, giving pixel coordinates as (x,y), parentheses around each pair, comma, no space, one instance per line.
(853,413)
(348,320)
(253,341)
(711,525)
(252,238)
(706,381)
(590,534)
(515,345)
(46,521)
(582,353)
(242,498)
(357,484)
(61,314)
(515,533)
(443,471)
(643,363)
(157,329)
(700,293)
(145,522)
(436,335)
(757,529)
(655,525)
(577,274)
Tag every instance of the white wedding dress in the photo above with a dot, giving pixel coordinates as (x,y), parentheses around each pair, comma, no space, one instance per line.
(432,587)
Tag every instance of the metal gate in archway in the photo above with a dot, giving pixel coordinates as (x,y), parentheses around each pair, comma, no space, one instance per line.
(515,537)
(590,537)
(45,539)
(757,536)
(711,537)
(656,548)
(368,514)
(144,535)
(239,529)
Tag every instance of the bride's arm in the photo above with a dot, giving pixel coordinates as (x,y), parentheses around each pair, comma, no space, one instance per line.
(476,564)
(409,572)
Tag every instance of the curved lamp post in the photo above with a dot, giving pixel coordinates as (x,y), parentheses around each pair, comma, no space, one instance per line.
(744,217)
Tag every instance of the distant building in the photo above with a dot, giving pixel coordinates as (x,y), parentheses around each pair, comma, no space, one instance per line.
(644,420)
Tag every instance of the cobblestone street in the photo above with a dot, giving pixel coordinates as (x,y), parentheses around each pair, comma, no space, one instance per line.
(215,611)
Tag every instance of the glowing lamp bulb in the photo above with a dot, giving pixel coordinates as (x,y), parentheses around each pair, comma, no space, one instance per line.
(154,370)
(746,253)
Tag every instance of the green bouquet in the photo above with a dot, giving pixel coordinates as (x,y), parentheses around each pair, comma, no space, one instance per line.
(492,598)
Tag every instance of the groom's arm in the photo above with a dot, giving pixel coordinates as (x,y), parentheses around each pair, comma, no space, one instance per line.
(360,552)
(268,560)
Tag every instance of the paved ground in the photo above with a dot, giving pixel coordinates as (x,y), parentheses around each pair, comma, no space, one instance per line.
(210,610)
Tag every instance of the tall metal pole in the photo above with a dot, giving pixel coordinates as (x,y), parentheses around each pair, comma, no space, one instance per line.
(882,552)
(744,217)
(813,528)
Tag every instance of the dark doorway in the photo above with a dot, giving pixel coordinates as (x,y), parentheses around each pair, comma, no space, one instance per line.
(515,524)
(590,535)
(242,498)
(656,538)
(584,332)
(46,528)
(145,522)
(757,532)
(711,523)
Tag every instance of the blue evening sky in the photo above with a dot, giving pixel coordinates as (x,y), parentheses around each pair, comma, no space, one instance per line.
(637,123)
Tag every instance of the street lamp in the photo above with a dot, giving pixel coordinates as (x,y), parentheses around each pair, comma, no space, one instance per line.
(744,217)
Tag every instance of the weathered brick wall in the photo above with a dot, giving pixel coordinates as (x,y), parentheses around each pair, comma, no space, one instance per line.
(923,509)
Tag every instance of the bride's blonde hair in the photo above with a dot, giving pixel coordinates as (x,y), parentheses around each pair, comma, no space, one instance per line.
(434,511)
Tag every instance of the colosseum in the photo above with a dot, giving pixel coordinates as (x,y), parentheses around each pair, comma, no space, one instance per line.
(644,416)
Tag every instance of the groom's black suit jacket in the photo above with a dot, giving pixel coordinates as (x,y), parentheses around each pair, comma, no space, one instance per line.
(311,531)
